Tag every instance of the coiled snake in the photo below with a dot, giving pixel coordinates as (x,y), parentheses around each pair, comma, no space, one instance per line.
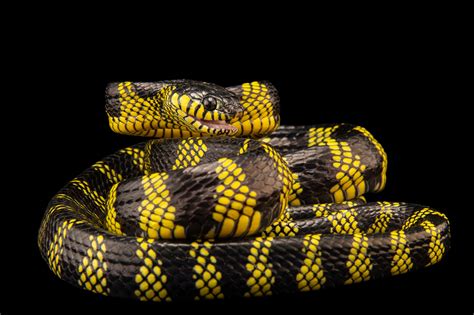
(244,213)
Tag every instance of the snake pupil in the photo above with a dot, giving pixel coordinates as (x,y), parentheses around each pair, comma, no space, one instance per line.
(210,103)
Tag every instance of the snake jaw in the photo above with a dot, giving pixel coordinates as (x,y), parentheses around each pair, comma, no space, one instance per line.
(218,125)
(212,127)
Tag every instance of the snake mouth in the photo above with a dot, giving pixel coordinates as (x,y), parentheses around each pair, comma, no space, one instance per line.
(212,127)
(221,125)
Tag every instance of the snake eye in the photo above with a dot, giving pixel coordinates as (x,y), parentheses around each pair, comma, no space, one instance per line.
(210,103)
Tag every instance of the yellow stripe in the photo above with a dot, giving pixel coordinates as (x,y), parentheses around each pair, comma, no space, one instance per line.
(358,263)
(56,247)
(93,268)
(208,116)
(401,262)
(421,214)
(349,168)
(281,228)
(199,112)
(311,274)
(192,109)
(436,247)
(236,202)
(189,153)
(206,275)
(150,280)
(110,220)
(156,214)
(261,280)
(344,222)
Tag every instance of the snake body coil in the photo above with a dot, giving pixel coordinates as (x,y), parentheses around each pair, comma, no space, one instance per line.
(225,209)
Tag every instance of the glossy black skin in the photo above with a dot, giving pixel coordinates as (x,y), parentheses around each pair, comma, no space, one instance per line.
(286,253)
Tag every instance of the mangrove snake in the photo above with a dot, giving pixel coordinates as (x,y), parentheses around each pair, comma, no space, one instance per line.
(253,211)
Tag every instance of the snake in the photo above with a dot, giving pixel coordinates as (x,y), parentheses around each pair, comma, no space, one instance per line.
(223,202)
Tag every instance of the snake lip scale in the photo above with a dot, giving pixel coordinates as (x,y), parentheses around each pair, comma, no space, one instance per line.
(223,202)
(218,124)
(213,126)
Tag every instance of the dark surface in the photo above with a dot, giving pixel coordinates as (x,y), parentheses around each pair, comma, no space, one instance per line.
(404,95)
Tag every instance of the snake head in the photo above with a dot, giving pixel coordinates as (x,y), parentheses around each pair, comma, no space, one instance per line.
(206,107)
(184,108)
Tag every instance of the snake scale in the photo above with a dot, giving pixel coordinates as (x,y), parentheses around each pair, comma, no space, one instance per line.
(225,203)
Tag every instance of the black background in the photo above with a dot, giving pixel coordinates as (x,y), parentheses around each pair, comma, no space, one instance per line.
(403,87)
